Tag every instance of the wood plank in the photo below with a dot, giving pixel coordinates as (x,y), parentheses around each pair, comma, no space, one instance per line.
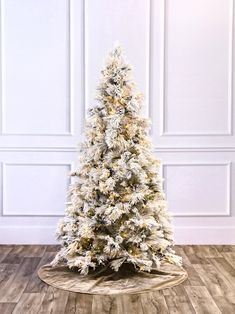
(104,304)
(120,305)
(185,258)
(153,302)
(15,287)
(188,249)
(225,268)
(206,251)
(216,284)
(225,303)
(7,274)
(4,251)
(52,248)
(193,277)
(35,284)
(177,300)
(35,250)
(230,257)
(186,265)
(201,300)
(173,291)
(194,255)
(224,248)
(131,304)
(179,305)
(29,303)
(6,271)
(54,301)
(12,259)
(78,303)
(28,250)
(7,308)
(6,246)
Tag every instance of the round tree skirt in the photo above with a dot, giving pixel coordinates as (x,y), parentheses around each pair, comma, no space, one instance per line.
(106,281)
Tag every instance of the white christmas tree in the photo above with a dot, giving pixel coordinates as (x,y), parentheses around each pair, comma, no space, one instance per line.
(116,210)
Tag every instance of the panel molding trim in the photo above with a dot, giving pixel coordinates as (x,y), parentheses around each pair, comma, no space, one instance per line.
(17,213)
(226,211)
(70,104)
(76,149)
(162,113)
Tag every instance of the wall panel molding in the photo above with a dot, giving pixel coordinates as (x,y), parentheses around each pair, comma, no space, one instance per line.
(69,103)
(163,107)
(226,211)
(155,150)
(5,212)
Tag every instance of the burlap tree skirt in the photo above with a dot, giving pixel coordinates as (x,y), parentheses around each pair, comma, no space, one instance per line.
(106,281)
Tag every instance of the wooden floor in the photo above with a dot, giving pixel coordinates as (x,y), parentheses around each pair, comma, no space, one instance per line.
(210,287)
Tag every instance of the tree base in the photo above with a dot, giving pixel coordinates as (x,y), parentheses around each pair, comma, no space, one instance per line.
(106,281)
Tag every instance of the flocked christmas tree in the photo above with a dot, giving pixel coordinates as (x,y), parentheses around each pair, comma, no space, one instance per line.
(116,211)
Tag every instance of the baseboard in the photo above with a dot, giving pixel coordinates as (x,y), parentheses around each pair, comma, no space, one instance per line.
(27,235)
(204,235)
(182,235)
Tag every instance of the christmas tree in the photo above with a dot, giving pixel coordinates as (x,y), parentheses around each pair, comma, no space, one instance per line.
(116,207)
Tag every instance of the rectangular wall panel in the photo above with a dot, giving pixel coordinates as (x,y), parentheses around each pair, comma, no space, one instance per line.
(34,188)
(127,22)
(35,67)
(198,189)
(198,67)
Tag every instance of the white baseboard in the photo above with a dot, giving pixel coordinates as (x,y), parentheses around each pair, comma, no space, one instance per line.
(204,235)
(27,235)
(182,235)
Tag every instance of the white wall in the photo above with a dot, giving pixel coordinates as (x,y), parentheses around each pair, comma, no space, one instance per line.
(51,55)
